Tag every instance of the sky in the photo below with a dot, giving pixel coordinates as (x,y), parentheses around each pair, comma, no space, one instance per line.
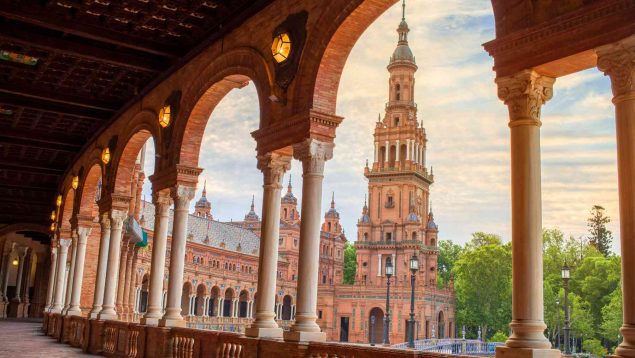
(466,124)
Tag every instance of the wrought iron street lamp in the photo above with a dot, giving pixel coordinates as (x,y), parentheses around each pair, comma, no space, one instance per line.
(558,323)
(389,273)
(414,267)
(567,328)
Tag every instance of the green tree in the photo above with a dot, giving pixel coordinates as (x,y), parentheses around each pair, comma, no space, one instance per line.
(581,318)
(350,264)
(499,337)
(483,283)
(612,318)
(594,280)
(599,235)
(448,255)
(594,347)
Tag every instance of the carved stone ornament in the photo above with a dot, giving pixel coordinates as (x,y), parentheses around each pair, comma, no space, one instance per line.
(618,62)
(273,167)
(524,94)
(116,218)
(65,244)
(182,195)
(313,153)
(162,201)
(105,221)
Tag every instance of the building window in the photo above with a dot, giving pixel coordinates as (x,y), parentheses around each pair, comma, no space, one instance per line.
(320,314)
(397,121)
(397,92)
(365,236)
(323,279)
(389,236)
(329,227)
(295,242)
(285,213)
(389,202)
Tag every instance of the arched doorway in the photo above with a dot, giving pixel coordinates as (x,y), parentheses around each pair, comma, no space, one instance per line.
(376,329)
(200,300)
(185,299)
(441,325)
(212,310)
(143,297)
(286,308)
(243,302)
(227,302)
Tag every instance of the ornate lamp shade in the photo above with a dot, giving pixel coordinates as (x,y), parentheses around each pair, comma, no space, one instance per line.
(58,201)
(53,215)
(414,263)
(105,156)
(565,272)
(75,182)
(389,268)
(15,262)
(281,47)
(165,116)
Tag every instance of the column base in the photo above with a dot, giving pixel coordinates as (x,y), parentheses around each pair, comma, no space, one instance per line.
(300,336)
(93,315)
(258,332)
(150,321)
(507,352)
(74,312)
(172,322)
(107,317)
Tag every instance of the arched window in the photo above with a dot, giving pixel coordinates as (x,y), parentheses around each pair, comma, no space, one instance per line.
(365,236)
(397,92)
(414,235)
(285,213)
(329,227)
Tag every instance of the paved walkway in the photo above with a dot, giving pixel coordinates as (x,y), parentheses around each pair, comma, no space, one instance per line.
(20,339)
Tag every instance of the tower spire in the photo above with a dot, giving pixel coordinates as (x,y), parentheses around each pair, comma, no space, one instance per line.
(252,202)
(205,189)
(289,186)
(403,10)
(333,200)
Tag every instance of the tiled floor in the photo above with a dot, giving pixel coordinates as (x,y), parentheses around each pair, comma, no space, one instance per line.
(25,339)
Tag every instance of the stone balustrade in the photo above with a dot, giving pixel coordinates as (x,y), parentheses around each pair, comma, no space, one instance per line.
(118,339)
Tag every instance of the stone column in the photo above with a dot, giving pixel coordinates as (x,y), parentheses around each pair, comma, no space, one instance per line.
(108,311)
(18,282)
(71,270)
(313,154)
(524,94)
(162,203)
(132,291)
(273,167)
(182,195)
(121,283)
(58,299)
(51,283)
(82,238)
(128,281)
(102,265)
(618,62)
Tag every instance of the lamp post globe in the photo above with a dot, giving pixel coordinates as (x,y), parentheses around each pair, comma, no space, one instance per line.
(389,272)
(414,267)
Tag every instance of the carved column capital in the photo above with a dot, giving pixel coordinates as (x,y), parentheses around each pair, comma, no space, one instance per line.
(617,61)
(524,94)
(117,218)
(273,167)
(182,195)
(313,154)
(162,200)
(104,220)
(83,233)
(65,244)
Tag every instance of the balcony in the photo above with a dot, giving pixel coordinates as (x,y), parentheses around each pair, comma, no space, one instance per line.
(131,340)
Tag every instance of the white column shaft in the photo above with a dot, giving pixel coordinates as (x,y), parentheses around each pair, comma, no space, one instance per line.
(112,271)
(102,265)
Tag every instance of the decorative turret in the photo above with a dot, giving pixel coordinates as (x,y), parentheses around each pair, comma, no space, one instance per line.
(289,205)
(251,215)
(365,218)
(332,219)
(403,53)
(203,207)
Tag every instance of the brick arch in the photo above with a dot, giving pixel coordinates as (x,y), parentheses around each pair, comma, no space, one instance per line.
(327,50)
(124,162)
(230,70)
(23,227)
(66,211)
(88,190)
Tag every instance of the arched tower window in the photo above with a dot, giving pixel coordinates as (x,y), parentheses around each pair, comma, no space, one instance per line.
(365,236)
(397,92)
(285,213)
(414,235)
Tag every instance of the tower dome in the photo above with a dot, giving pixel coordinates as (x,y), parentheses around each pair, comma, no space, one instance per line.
(402,53)
(332,213)
(203,207)
(251,215)
(289,198)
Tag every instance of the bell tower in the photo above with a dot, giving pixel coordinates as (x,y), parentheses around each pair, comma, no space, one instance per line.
(395,222)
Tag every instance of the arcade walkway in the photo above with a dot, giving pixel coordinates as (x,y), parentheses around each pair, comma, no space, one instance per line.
(24,339)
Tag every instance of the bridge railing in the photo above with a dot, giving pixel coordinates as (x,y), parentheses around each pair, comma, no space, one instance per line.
(454,346)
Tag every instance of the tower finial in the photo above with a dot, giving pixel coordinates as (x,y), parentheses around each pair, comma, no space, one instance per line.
(289,186)
(205,188)
(252,202)
(333,200)
(403,10)
(365,202)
